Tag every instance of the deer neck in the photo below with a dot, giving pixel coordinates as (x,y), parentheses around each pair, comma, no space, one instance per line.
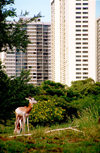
(29,108)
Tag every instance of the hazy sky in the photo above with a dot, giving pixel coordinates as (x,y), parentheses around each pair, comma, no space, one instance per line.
(97,8)
(34,7)
(43,6)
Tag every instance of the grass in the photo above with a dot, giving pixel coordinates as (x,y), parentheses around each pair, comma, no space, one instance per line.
(66,141)
(62,141)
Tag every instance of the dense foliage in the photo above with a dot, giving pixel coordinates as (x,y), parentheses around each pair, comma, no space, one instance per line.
(67,102)
(12,33)
(57,103)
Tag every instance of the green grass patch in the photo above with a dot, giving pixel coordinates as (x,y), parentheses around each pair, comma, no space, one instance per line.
(86,140)
(58,141)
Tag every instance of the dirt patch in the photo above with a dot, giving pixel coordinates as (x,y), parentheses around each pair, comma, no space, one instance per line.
(75,140)
(5,139)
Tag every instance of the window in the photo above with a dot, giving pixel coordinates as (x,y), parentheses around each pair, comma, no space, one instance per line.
(78,12)
(78,55)
(78,73)
(85,21)
(85,60)
(85,8)
(85,43)
(84,30)
(85,47)
(78,17)
(78,38)
(78,64)
(78,47)
(78,60)
(85,25)
(85,51)
(85,12)
(78,77)
(85,3)
(78,25)
(85,73)
(85,77)
(85,68)
(78,68)
(85,17)
(85,34)
(78,34)
(85,64)
(85,38)
(78,30)
(78,21)
(78,3)
(78,43)
(78,8)
(78,51)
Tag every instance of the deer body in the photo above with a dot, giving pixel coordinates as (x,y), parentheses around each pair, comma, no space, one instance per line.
(22,113)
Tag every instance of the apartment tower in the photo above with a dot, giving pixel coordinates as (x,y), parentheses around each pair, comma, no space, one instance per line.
(39,52)
(98,49)
(73,46)
(37,57)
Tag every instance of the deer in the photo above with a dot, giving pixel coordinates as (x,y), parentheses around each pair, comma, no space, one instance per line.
(22,114)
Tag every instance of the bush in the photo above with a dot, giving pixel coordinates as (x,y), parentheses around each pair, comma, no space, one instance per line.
(88,118)
(87,102)
(46,112)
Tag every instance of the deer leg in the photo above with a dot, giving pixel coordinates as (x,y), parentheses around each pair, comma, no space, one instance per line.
(18,125)
(21,122)
(28,123)
(15,127)
(23,129)
(15,130)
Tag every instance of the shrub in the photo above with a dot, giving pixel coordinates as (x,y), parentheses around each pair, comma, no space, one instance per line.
(46,112)
(88,118)
(86,102)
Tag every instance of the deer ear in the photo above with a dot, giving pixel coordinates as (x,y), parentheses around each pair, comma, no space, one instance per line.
(26,98)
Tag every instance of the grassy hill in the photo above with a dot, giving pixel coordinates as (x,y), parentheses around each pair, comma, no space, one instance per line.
(84,138)
(86,141)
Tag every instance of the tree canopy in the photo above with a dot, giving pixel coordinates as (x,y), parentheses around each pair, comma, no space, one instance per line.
(13,33)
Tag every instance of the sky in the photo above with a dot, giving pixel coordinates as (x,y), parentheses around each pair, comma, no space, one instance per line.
(34,7)
(43,6)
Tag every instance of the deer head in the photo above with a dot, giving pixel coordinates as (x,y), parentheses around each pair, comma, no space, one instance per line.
(31,100)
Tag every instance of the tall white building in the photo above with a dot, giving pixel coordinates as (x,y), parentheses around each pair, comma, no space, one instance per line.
(98,49)
(73,45)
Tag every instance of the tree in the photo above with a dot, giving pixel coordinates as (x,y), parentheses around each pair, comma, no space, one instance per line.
(12,34)
(13,93)
(80,88)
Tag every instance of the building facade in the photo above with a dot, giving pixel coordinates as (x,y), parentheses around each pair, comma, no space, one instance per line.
(73,44)
(39,52)
(37,58)
(98,49)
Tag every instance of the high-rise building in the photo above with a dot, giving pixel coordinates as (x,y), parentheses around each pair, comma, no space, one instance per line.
(73,44)
(38,52)
(98,49)
(37,58)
